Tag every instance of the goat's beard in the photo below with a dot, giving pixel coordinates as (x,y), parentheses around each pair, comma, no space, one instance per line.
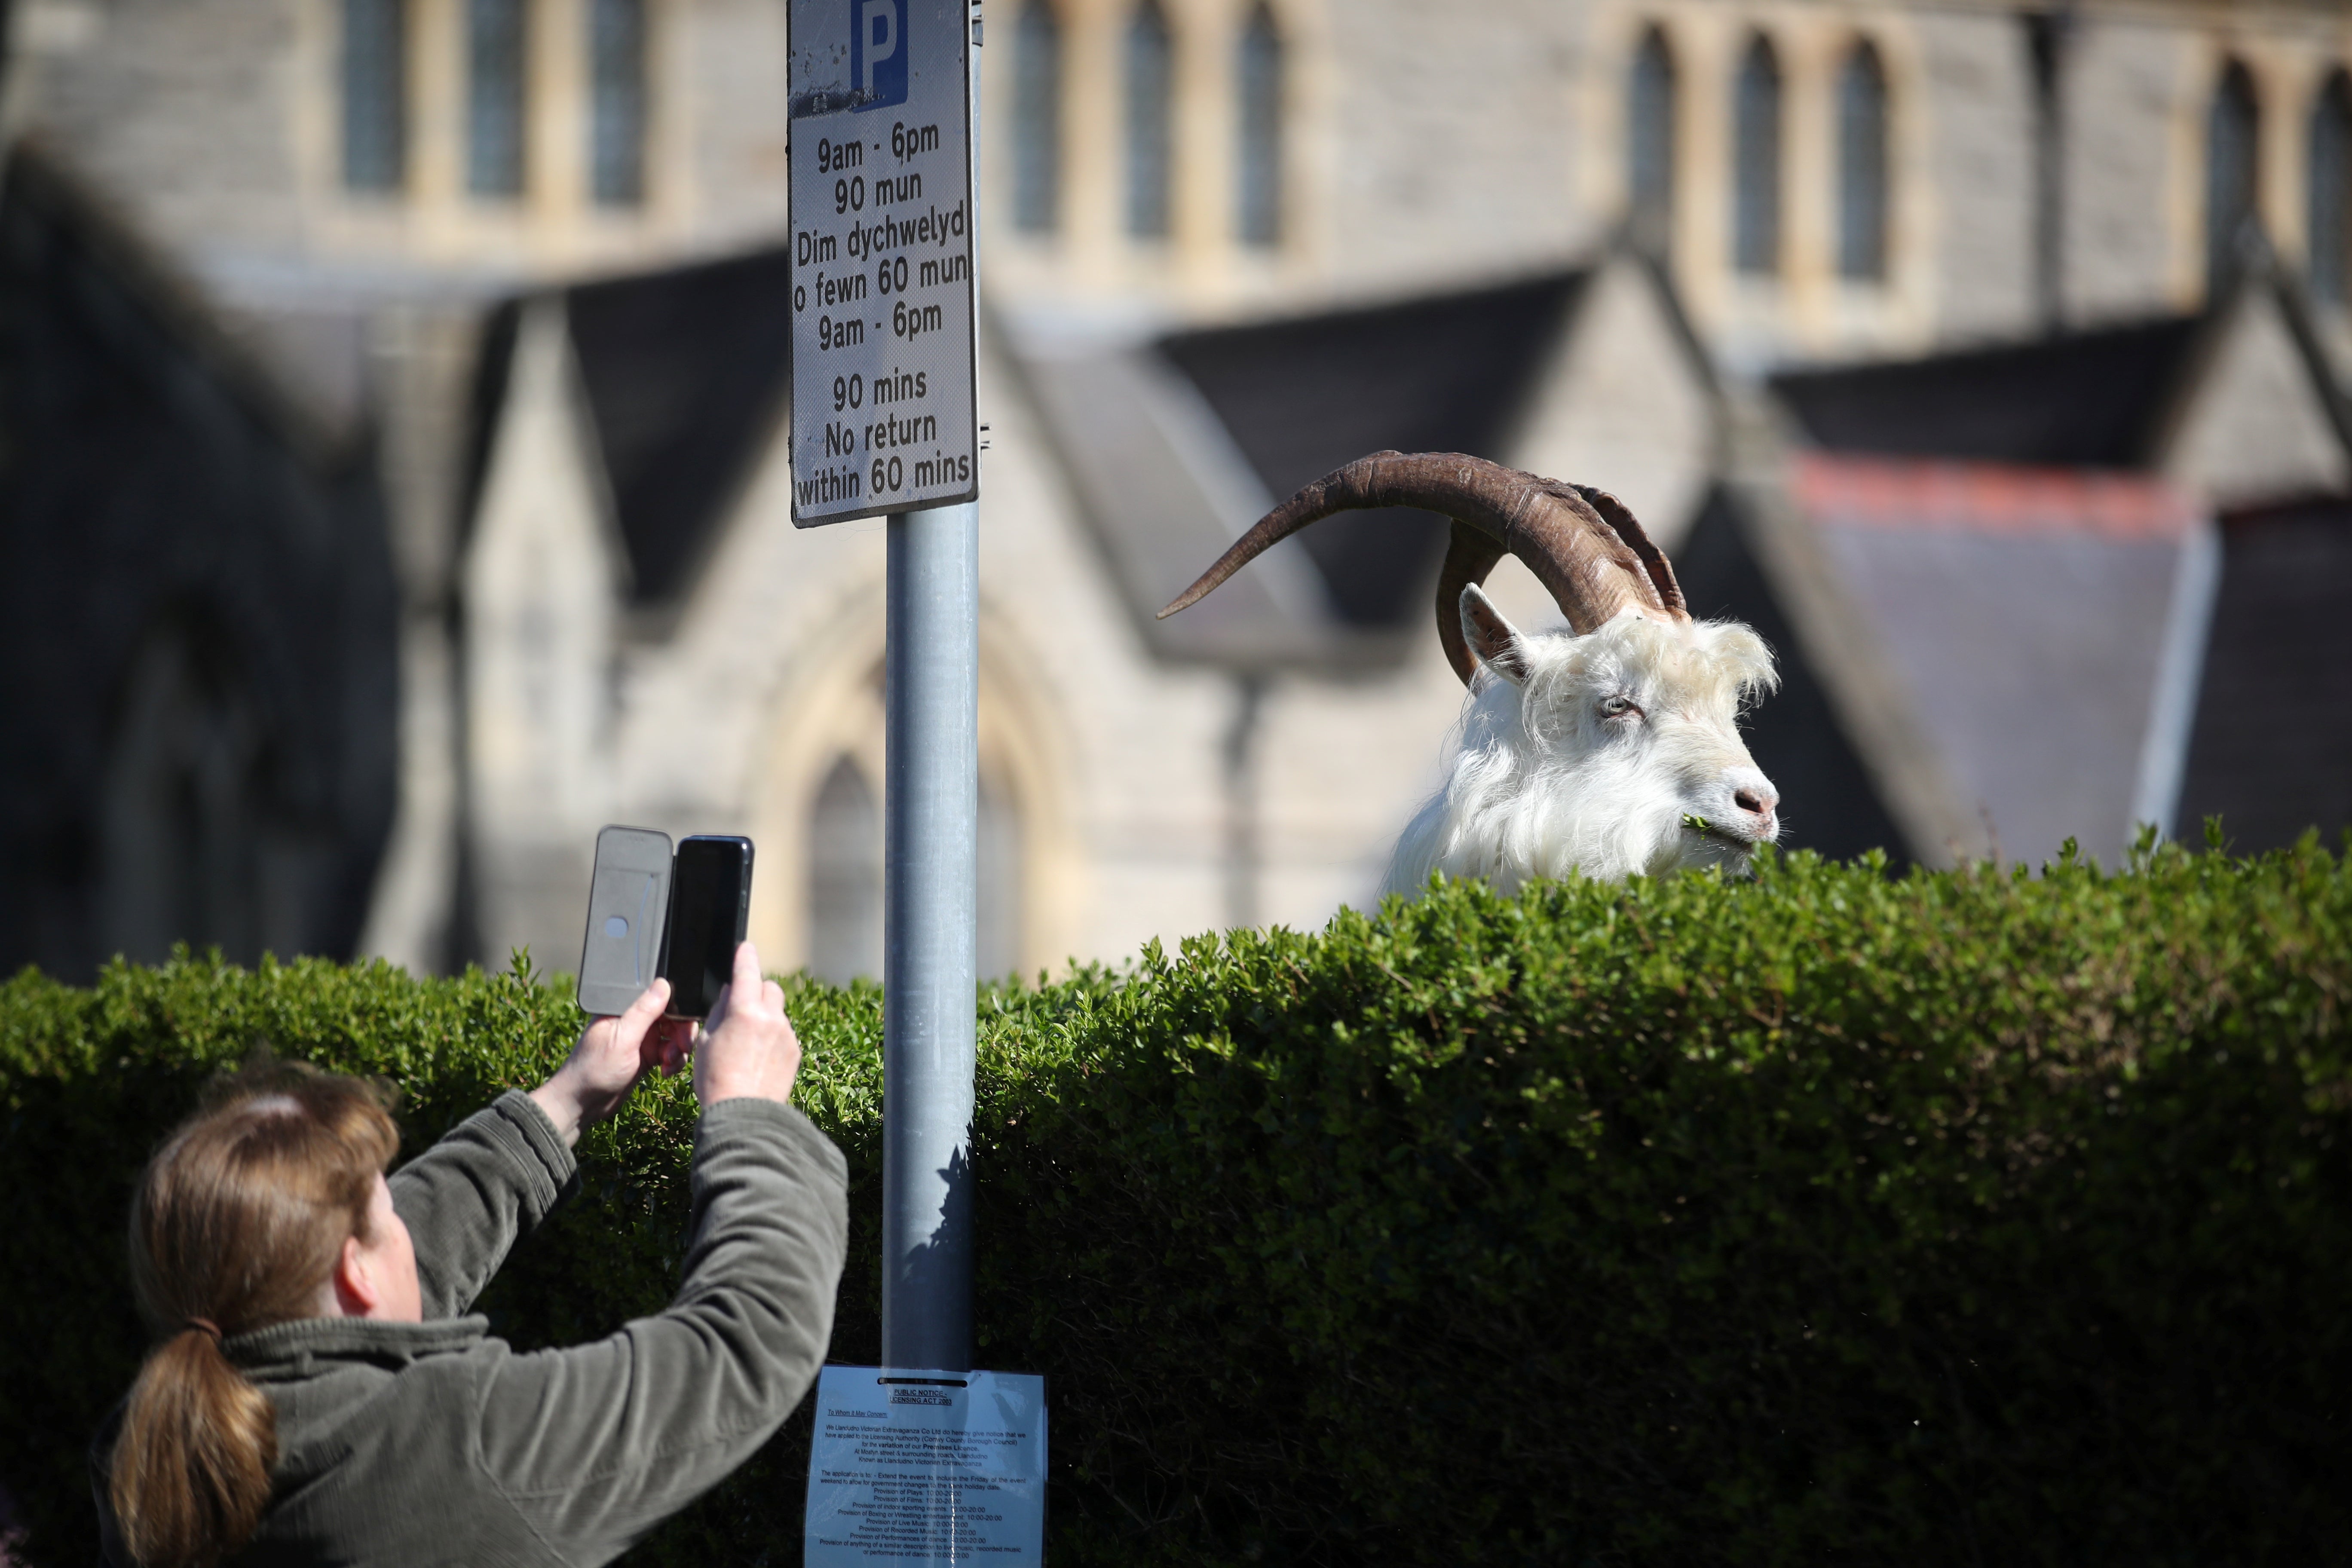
(1705,845)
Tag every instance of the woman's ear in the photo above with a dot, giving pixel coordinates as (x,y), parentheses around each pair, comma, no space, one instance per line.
(357,1290)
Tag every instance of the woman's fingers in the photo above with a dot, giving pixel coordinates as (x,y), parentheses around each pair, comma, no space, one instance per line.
(666,1043)
(636,1037)
(747,971)
(643,1013)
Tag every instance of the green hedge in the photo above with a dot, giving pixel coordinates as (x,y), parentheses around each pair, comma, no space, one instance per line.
(1959,1218)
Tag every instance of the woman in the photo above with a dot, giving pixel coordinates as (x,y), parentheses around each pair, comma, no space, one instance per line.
(315,1395)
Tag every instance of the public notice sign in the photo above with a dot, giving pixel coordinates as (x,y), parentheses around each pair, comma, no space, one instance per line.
(882,258)
(926,1468)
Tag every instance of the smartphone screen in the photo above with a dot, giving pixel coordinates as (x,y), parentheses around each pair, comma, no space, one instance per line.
(709,908)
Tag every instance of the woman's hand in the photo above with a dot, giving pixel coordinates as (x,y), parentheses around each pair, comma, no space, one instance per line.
(612,1056)
(749,1048)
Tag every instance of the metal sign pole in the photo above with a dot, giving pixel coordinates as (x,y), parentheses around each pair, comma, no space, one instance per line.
(930,904)
(930,856)
(931,811)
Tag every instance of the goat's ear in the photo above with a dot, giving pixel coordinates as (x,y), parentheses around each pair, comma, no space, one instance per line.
(1495,640)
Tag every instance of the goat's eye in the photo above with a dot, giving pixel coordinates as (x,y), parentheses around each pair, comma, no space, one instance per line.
(1617,707)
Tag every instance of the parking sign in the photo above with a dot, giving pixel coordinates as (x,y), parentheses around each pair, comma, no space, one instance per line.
(883,411)
(877,64)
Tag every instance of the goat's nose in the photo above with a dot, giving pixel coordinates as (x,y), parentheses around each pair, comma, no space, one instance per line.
(1757,801)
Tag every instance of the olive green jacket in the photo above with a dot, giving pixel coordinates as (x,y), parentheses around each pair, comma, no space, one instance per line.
(415,1444)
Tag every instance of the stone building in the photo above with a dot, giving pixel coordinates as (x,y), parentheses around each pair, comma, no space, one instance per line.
(649,639)
(522,245)
(198,680)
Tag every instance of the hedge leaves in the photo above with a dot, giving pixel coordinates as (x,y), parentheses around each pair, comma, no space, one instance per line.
(1967,1217)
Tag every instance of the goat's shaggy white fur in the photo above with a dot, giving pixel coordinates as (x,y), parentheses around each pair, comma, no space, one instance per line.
(1610,753)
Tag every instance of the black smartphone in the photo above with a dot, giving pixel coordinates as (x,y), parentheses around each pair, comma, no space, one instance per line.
(709,910)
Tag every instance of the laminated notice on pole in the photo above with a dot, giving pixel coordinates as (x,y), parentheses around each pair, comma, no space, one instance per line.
(926,1468)
(882,258)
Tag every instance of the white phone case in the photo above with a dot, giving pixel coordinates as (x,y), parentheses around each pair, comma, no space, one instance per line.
(628,902)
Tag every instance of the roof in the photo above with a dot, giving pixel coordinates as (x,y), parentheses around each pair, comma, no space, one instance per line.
(197,588)
(250,354)
(1163,492)
(1301,396)
(2028,612)
(2039,605)
(1996,500)
(2270,752)
(1831,802)
(2093,398)
(1176,443)
(686,372)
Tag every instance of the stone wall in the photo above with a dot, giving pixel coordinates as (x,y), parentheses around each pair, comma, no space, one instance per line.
(2135,169)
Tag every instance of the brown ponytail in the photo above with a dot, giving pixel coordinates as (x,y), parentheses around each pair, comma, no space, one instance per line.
(238,1224)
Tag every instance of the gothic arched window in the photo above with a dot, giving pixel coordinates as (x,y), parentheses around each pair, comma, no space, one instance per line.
(375,94)
(845,893)
(2232,168)
(1862,166)
(1150,106)
(1650,144)
(616,121)
(1755,162)
(2331,191)
(844,886)
(495,117)
(1258,85)
(1037,119)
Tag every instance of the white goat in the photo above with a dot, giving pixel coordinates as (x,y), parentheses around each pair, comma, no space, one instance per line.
(1609,749)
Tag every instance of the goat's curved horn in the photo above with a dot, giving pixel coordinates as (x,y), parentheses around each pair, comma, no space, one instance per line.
(1581,543)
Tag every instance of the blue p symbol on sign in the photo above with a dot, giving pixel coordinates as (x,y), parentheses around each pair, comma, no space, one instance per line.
(877,51)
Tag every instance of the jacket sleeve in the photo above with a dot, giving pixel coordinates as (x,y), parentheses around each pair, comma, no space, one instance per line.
(597,1444)
(472,1197)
